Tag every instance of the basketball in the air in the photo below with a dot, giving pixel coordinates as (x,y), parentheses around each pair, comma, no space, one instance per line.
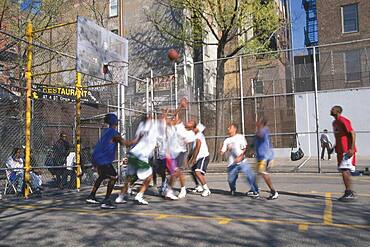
(173,55)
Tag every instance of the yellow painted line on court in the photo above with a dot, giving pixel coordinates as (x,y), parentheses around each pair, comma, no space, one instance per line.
(220,220)
(161,217)
(328,212)
(303,227)
(224,221)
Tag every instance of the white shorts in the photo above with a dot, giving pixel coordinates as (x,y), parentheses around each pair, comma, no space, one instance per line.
(346,164)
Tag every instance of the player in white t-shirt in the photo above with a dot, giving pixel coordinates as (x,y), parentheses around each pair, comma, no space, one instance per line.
(142,148)
(236,146)
(199,158)
(178,137)
(159,160)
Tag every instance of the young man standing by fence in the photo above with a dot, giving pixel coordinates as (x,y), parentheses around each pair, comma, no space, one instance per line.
(345,138)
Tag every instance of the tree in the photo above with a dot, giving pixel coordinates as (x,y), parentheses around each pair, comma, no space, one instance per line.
(97,10)
(230,22)
(14,16)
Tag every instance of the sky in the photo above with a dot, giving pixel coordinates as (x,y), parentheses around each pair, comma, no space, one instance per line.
(26,4)
(298,23)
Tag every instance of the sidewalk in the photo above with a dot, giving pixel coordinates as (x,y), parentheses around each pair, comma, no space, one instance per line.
(286,165)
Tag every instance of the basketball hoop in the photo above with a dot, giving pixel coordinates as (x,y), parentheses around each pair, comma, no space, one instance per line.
(117,71)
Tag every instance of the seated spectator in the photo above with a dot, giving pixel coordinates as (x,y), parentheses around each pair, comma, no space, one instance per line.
(16,162)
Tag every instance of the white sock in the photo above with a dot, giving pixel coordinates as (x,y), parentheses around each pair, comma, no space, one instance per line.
(205,186)
(139,195)
(183,189)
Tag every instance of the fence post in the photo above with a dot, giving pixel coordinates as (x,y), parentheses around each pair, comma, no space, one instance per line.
(27,164)
(130,121)
(175,85)
(241,93)
(152,92)
(316,111)
(198,99)
(231,111)
(78,130)
(119,116)
(147,96)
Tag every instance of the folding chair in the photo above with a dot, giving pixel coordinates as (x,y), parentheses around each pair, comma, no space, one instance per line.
(10,181)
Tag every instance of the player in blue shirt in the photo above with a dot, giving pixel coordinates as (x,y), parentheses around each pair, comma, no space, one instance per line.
(102,158)
(264,154)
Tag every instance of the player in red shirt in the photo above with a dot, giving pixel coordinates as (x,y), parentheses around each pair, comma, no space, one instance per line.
(345,148)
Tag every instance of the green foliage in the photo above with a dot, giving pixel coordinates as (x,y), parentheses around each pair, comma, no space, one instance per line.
(249,22)
(42,14)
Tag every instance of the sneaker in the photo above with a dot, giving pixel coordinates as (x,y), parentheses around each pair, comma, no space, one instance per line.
(92,200)
(141,201)
(182,194)
(233,192)
(107,204)
(348,196)
(169,195)
(197,190)
(273,196)
(252,194)
(121,199)
(206,193)
(249,193)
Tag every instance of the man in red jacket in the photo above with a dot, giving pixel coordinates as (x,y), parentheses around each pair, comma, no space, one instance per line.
(345,138)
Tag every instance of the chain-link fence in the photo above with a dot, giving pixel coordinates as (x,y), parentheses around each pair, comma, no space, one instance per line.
(54,121)
(293,89)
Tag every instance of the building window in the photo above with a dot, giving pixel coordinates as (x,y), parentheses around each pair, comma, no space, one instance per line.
(352,63)
(113,8)
(257,87)
(115,31)
(350,18)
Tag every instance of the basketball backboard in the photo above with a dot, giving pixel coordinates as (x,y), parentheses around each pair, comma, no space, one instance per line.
(96,47)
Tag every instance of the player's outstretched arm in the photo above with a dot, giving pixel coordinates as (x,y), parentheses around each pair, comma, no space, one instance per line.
(182,105)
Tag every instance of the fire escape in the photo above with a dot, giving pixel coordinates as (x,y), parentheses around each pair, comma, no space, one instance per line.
(311,29)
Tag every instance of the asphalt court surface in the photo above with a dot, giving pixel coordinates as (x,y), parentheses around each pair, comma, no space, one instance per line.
(307,213)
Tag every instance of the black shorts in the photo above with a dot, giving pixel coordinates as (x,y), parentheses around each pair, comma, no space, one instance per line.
(106,171)
(201,165)
(180,160)
(159,165)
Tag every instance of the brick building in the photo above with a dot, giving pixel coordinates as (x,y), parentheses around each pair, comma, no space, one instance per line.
(345,65)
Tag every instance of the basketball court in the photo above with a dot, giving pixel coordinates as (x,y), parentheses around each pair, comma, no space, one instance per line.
(306,213)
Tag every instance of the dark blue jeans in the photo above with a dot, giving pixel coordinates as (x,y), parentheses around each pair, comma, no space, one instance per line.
(244,167)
